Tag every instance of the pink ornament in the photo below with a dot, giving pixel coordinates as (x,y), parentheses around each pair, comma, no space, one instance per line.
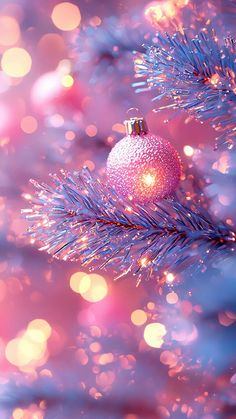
(142,166)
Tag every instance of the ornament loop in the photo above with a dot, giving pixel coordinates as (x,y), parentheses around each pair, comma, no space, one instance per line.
(135,125)
(136,115)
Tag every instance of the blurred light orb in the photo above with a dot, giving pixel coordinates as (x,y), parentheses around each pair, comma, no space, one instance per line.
(80,282)
(30,347)
(97,290)
(159,11)
(18,413)
(22,351)
(56,90)
(67,81)
(41,325)
(9,31)
(169,358)
(169,277)
(46,89)
(138,317)
(172,298)
(188,151)
(29,124)
(16,62)
(153,334)
(56,120)
(66,16)
(70,135)
(91,130)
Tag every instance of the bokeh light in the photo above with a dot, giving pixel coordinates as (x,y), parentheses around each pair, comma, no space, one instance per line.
(41,325)
(22,351)
(16,62)
(30,347)
(172,298)
(91,130)
(154,333)
(67,81)
(66,16)
(138,317)
(169,277)
(149,180)
(188,151)
(80,282)
(70,135)
(97,289)
(9,31)
(92,287)
(29,124)
(159,11)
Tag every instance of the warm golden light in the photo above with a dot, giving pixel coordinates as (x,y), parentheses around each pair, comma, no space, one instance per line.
(214,79)
(223,164)
(29,124)
(149,180)
(18,413)
(153,334)
(138,317)
(16,62)
(157,11)
(40,325)
(172,298)
(97,290)
(153,13)
(66,16)
(29,348)
(105,359)
(144,262)
(22,351)
(67,81)
(169,277)
(9,31)
(188,150)
(32,412)
(80,282)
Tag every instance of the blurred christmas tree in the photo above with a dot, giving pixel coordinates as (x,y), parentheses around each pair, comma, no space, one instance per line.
(75,345)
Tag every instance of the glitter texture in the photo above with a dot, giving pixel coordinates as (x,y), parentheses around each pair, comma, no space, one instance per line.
(143,168)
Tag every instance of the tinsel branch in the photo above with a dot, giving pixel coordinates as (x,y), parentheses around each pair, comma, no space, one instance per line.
(198,75)
(78,217)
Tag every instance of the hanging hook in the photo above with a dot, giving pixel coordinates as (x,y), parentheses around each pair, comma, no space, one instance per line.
(137,113)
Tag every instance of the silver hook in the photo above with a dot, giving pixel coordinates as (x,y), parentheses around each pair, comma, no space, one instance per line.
(137,114)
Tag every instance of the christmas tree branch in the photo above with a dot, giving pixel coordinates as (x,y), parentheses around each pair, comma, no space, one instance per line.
(198,75)
(78,217)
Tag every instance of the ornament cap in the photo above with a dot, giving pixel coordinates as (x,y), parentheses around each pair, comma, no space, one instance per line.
(136,126)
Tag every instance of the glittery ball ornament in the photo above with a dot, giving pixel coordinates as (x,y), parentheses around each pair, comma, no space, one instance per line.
(143,167)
